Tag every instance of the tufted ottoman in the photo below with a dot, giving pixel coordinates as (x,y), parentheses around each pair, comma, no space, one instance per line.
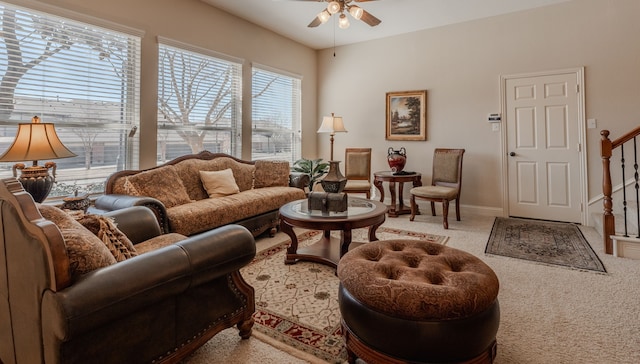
(415,301)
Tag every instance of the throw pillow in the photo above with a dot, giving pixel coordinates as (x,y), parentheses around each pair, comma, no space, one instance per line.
(86,252)
(219,183)
(163,184)
(271,173)
(105,229)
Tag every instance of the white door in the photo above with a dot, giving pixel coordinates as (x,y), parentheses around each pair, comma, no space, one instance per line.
(543,128)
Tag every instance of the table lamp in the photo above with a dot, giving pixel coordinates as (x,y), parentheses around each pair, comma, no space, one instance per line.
(334,181)
(35,141)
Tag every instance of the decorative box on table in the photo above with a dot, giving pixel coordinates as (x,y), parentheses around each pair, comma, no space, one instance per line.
(327,201)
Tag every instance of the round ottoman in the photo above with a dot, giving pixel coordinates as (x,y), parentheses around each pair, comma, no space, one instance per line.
(420,302)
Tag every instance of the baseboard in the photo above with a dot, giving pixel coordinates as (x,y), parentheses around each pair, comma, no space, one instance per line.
(626,247)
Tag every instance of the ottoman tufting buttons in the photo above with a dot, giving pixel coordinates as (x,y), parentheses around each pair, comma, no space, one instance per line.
(410,300)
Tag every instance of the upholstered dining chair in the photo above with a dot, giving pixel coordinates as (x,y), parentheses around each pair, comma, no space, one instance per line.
(358,171)
(446,183)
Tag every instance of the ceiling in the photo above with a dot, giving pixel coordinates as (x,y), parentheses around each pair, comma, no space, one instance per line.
(291,17)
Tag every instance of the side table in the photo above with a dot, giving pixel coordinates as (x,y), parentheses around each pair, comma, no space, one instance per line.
(396,209)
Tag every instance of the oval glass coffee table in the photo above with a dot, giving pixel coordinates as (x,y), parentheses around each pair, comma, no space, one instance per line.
(360,213)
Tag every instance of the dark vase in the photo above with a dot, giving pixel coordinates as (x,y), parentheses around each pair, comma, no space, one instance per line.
(334,181)
(396,159)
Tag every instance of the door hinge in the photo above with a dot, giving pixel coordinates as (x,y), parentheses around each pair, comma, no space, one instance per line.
(577,88)
(579,147)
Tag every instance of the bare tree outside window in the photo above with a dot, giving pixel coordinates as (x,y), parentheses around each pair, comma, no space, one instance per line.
(83,78)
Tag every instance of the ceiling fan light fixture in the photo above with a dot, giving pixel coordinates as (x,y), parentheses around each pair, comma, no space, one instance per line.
(324,16)
(356,11)
(343,22)
(333,7)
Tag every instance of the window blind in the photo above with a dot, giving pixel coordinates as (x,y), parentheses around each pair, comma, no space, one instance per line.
(276,114)
(83,78)
(199,102)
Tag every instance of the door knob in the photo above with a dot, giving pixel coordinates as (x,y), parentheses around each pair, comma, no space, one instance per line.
(512,154)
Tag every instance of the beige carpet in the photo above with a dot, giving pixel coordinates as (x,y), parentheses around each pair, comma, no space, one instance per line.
(548,314)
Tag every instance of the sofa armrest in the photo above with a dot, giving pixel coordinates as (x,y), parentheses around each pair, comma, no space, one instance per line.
(111,202)
(109,293)
(138,223)
(235,247)
(299,180)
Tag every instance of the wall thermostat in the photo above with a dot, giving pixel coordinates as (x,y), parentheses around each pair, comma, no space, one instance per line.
(495,118)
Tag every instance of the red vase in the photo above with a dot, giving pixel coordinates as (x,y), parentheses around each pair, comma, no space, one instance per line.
(396,159)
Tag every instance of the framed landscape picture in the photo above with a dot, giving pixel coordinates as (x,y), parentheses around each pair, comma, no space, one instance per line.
(407,115)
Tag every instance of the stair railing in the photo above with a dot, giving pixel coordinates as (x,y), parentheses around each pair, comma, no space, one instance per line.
(607,146)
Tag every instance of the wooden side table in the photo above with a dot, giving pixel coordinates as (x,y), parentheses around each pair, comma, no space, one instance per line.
(396,209)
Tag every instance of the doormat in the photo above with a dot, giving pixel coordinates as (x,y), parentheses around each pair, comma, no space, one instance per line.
(297,304)
(544,242)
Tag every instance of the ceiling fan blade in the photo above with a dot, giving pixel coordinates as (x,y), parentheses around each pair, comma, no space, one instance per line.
(370,19)
(315,22)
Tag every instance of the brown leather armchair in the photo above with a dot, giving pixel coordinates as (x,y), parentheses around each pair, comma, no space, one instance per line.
(158,306)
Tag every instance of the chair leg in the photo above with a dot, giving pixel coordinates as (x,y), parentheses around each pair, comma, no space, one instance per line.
(457,209)
(433,209)
(368,195)
(445,213)
(413,208)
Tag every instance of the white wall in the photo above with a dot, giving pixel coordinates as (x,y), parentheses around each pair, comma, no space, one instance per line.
(199,24)
(460,67)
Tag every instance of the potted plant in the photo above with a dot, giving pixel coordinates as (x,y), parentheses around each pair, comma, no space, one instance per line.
(314,168)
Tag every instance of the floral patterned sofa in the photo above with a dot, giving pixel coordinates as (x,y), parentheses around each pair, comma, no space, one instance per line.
(199,192)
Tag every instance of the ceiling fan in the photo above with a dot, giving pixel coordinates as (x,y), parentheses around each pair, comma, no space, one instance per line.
(342,6)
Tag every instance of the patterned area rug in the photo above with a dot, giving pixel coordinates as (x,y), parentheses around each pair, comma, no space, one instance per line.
(544,242)
(298,304)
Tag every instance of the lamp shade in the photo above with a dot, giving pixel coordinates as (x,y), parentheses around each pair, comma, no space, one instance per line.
(332,124)
(334,7)
(356,11)
(36,141)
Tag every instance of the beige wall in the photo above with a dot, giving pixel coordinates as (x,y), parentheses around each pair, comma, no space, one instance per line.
(198,24)
(460,67)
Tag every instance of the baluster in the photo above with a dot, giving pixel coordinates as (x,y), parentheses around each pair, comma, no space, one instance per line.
(608,219)
(624,191)
(637,186)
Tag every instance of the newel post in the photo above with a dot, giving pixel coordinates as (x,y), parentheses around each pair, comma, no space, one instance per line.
(608,220)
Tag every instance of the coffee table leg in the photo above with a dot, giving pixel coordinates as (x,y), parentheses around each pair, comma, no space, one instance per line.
(293,247)
(372,231)
(345,241)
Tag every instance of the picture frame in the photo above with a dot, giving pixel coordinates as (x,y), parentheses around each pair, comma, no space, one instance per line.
(406,115)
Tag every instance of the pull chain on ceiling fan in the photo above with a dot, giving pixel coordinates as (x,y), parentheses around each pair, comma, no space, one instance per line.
(342,6)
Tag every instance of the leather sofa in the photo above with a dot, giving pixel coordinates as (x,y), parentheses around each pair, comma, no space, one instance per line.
(177,194)
(168,297)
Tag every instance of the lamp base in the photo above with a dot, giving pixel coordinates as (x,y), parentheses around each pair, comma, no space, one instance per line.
(36,180)
(334,181)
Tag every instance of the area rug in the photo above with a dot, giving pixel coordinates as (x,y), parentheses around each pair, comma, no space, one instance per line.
(298,304)
(544,242)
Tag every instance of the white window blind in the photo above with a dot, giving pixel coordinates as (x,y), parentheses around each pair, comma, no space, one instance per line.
(199,102)
(275,114)
(81,77)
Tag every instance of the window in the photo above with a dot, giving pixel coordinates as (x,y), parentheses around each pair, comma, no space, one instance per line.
(199,102)
(81,77)
(275,115)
